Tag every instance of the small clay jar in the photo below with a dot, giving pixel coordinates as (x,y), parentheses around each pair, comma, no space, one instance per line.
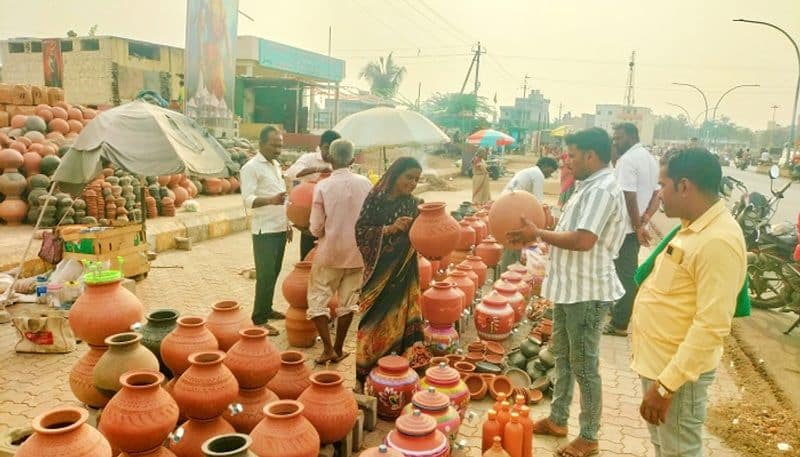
(330,408)
(124,354)
(191,335)
(230,445)
(207,388)
(285,432)
(292,377)
(253,359)
(225,320)
(393,383)
(63,432)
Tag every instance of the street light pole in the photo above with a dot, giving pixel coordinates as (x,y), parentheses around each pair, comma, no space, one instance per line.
(705,101)
(714,115)
(686,111)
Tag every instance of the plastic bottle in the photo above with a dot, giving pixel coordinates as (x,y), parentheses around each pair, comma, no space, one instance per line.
(491,430)
(41,289)
(496,450)
(527,431)
(504,415)
(512,436)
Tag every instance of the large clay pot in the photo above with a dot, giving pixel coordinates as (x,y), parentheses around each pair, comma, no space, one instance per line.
(437,405)
(225,320)
(253,360)
(425,272)
(434,233)
(124,354)
(490,251)
(467,286)
(481,230)
(212,186)
(507,212)
(81,378)
(298,205)
(141,415)
(63,432)
(295,285)
(300,332)
(159,323)
(207,388)
(193,433)
(440,339)
(443,303)
(494,317)
(231,445)
(393,383)
(447,380)
(191,335)
(417,435)
(13,211)
(252,402)
(285,432)
(515,299)
(516,279)
(292,377)
(466,236)
(157,452)
(330,408)
(102,310)
(478,267)
(456,257)
(467,269)
(10,160)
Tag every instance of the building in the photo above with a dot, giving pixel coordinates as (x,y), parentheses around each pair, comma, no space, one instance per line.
(98,70)
(527,115)
(576,123)
(607,116)
(348,104)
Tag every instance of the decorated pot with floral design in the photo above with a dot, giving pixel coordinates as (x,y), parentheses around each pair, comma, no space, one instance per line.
(436,405)
(447,380)
(494,317)
(416,435)
(393,383)
(440,339)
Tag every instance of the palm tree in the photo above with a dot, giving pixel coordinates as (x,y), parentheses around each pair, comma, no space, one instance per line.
(384,76)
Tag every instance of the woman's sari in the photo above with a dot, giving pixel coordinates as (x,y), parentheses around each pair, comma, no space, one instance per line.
(391,320)
(480,182)
(567,180)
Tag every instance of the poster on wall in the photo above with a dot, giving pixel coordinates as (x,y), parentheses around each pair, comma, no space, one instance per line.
(53,64)
(210,58)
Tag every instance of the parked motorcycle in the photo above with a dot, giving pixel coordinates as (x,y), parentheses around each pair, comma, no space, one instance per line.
(754,211)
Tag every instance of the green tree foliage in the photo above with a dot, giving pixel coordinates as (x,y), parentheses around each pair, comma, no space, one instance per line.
(384,76)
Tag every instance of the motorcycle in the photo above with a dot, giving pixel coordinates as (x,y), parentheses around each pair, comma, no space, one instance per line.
(741,163)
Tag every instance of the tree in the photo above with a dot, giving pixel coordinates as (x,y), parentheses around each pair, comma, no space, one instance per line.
(465,112)
(673,128)
(384,76)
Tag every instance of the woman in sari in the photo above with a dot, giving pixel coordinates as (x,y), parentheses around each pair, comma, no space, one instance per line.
(480,179)
(391,320)
(567,180)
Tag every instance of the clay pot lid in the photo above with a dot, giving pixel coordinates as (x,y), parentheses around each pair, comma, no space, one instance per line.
(415,424)
(430,400)
(494,298)
(381,451)
(442,375)
(505,287)
(60,420)
(511,276)
(326,378)
(393,363)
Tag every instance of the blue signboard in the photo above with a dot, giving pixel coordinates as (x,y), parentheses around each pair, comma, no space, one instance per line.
(294,60)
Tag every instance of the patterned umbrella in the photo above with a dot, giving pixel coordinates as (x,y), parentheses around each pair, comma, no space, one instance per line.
(489,137)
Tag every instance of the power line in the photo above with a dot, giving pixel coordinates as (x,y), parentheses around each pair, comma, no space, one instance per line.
(426,17)
(386,24)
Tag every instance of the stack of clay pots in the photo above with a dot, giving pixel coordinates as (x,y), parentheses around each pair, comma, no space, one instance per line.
(442,305)
(300,332)
(13,208)
(447,380)
(167,207)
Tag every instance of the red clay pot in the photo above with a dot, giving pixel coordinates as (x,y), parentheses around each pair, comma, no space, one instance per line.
(481,230)
(490,251)
(443,303)
(466,236)
(507,211)
(447,380)
(515,299)
(330,408)
(225,320)
(63,432)
(253,360)
(103,310)
(80,378)
(517,280)
(434,233)
(298,207)
(292,377)
(285,432)
(207,388)
(252,402)
(416,434)
(300,332)
(425,272)
(494,317)
(466,268)
(197,432)
(191,335)
(393,383)
(463,282)
(437,405)
(295,285)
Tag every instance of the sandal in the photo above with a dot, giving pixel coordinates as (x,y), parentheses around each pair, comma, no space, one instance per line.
(579,447)
(271,331)
(613,331)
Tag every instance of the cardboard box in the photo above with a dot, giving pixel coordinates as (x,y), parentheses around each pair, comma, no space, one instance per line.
(21,94)
(6,96)
(5,119)
(54,95)
(13,110)
(38,95)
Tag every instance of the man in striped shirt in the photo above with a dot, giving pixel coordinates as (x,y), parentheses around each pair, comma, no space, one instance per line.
(582,282)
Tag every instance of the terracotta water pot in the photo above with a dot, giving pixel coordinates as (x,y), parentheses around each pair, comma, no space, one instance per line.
(490,251)
(517,280)
(191,335)
(417,435)
(295,285)
(466,268)
(436,405)
(212,186)
(494,317)
(393,383)
(447,380)
(481,230)
(252,411)
(300,332)
(124,354)
(515,299)
(507,212)
(463,282)
(329,406)
(207,388)
(456,257)
(63,432)
(141,415)
(159,323)
(440,339)
(102,310)
(285,432)
(292,377)
(476,385)
(157,452)
(298,206)
(231,445)
(466,236)
(380,451)
(193,433)
(501,384)
(425,272)
(81,378)
(253,360)
(225,320)
(478,267)
(443,303)
(434,233)
(225,185)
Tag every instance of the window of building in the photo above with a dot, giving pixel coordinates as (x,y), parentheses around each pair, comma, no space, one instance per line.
(16,48)
(66,45)
(36,46)
(91,44)
(144,51)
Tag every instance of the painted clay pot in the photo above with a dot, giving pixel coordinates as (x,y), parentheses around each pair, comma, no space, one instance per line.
(470,274)
(515,299)
(490,251)
(478,267)
(102,310)
(481,230)
(330,408)
(300,332)
(447,380)
(425,272)
(393,383)
(80,378)
(463,282)
(141,415)
(476,385)
(517,280)
(285,432)
(416,435)
(494,317)
(295,285)
(159,323)
(292,377)
(124,354)
(298,205)
(191,335)
(252,402)
(380,451)
(231,445)
(157,452)
(193,433)
(506,213)
(442,304)
(434,233)
(207,388)
(225,320)
(437,405)
(63,432)
(440,339)
(521,270)
(253,360)
(466,236)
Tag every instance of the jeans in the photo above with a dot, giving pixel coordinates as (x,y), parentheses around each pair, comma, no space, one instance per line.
(268,249)
(307,241)
(510,256)
(626,264)
(682,433)
(576,348)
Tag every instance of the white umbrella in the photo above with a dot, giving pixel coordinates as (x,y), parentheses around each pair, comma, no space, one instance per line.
(384,126)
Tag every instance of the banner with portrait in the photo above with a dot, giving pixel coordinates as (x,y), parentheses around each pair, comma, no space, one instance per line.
(53,63)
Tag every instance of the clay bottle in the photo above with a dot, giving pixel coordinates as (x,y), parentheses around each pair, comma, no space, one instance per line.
(512,436)
(504,415)
(501,397)
(527,431)
(491,430)
(519,404)
(496,450)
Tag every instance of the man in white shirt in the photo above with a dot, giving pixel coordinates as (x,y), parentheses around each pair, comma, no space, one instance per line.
(264,192)
(637,173)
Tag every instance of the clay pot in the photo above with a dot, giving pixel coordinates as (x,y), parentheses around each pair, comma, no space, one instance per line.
(453,359)
(80,378)
(456,257)
(252,402)
(330,408)
(434,233)
(234,184)
(440,339)
(191,335)
(253,360)
(13,211)
(481,230)
(477,386)
(212,186)
(393,383)
(292,377)
(425,272)
(63,432)
(124,354)
(102,310)
(442,304)
(470,274)
(31,163)
(474,357)
(196,432)
(225,186)
(463,282)
(490,251)
(285,432)
(225,320)
(207,388)
(157,452)
(436,405)
(466,236)
(448,381)
(181,195)
(300,332)
(380,451)
(501,384)
(517,280)
(11,160)
(515,299)
(417,435)
(298,206)
(506,213)
(464,368)
(141,415)
(231,445)
(159,323)
(494,317)
(295,285)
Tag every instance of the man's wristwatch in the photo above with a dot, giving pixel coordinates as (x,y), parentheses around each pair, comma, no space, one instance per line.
(663,391)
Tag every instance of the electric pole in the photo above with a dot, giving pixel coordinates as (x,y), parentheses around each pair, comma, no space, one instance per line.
(419,93)
(774,108)
(477,67)
(629,97)
(525,85)
(559,110)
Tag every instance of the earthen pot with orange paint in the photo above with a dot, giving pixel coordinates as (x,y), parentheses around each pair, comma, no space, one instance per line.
(81,378)
(285,432)
(102,310)
(193,433)
(329,406)
(478,267)
(463,282)
(160,451)
(489,250)
(466,236)
(63,432)
(298,206)
(434,233)
(300,332)
(252,402)
(416,435)
(494,317)
(442,303)
(191,335)
(425,272)
(295,285)
(292,377)
(253,359)
(481,230)
(225,320)
(466,268)
(207,388)
(507,212)
(515,298)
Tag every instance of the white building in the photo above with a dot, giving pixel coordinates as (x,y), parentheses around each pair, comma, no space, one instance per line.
(607,116)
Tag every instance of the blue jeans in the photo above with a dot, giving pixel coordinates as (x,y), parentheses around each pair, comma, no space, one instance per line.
(576,349)
(682,433)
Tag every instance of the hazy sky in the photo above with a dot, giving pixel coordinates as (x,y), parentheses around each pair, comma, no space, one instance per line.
(575,51)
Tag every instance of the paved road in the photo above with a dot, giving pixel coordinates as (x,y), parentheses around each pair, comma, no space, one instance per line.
(756,182)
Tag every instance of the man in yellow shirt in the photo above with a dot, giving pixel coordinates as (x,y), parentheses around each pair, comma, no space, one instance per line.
(684,308)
